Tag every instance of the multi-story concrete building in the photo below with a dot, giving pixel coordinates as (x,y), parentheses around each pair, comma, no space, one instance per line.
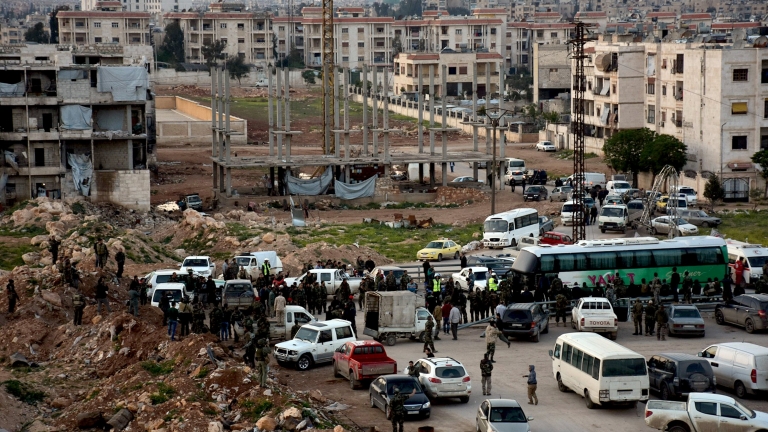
(483,30)
(551,71)
(108,25)
(11,32)
(74,121)
(246,34)
(151,6)
(522,36)
(459,70)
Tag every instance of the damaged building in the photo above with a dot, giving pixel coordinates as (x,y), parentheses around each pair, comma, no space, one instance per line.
(76,120)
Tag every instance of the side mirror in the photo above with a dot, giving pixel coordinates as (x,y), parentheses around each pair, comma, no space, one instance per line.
(743,418)
(530,418)
(550,354)
(483,417)
(699,355)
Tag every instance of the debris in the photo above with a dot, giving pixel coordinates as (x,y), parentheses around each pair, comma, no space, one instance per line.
(120,420)
(18,360)
(267,424)
(89,420)
(336,406)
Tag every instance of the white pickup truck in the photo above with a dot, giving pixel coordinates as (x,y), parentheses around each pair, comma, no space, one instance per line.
(704,412)
(595,314)
(282,331)
(332,279)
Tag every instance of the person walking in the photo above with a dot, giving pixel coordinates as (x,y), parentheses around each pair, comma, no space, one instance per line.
(102,253)
(250,351)
(687,287)
(101,295)
(13,297)
(491,335)
(532,399)
(486,367)
(463,260)
(120,259)
(226,316)
(173,321)
(593,215)
(78,301)
(273,297)
(454,317)
(280,308)
(662,318)
(429,329)
(674,283)
(438,314)
(262,359)
(397,408)
(185,316)
(446,312)
(53,247)
(637,317)
(650,317)
(561,304)
(133,300)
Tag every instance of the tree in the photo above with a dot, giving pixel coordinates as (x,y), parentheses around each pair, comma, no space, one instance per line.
(623,150)
(761,158)
(309,77)
(713,191)
(54,23)
(213,52)
(237,68)
(409,8)
(37,34)
(664,150)
(551,116)
(293,60)
(172,48)
(382,9)
(459,11)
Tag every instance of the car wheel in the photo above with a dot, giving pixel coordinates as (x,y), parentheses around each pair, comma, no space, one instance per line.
(391,339)
(719,318)
(456,255)
(749,326)
(560,385)
(740,390)
(304,363)
(373,402)
(705,224)
(353,383)
(387,412)
(464,399)
(550,199)
(665,392)
(336,373)
(573,324)
(653,231)
(602,230)
(588,400)
(439,257)
(614,336)
(677,428)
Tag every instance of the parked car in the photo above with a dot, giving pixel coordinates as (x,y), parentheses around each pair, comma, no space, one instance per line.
(525,320)
(555,238)
(436,250)
(703,412)
(546,146)
(545,224)
(739,365)
(747,310)
(689,194)
(699,218)
(444,377)
(175,290)
(201,265)
(192,201)
(383,388)
(481,277)
(595,314)
(561,193)
(630,194)
(238,293)
(501,415)
(333,279)
(361,362)
(515,176)
(613,200)
(588,200)
(465,179)
(662,225)
(661,203)
(314,343)
(676,375)
(535,193)
(685,320)
(499,264)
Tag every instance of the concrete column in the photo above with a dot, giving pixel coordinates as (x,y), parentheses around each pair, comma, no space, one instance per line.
(214,134)
(336,109)
(385,123)
(279,117)
(345,80)
(130,154)
(229,181)
(375,93)
(444,167)
(226,127)
(432,174)
(474,110)
(443,97)
(365,110)
(421,111)
(270,88)
(487,105)
(431,111)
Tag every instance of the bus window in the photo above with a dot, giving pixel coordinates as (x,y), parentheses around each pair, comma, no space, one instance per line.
(667,257)
(567,349)
(577,357)
(580,261)
(624,259)
(586,364)
(547,263)
(565,262)
(643,259)
(557,351)
(596,369)
(708,255)
(602,260)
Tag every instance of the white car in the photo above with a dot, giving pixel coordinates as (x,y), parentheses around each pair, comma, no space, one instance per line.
(481,277)
(595,314)
(176,290)
(545,146)
(689,194)
(314,343)
(613,199)
(465,179)
(515,176)
(201,265)
(662,225)
(502,415)
(443,377)
(163,276)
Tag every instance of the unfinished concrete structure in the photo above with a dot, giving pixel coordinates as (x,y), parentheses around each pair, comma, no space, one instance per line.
(71,123)
(371,138)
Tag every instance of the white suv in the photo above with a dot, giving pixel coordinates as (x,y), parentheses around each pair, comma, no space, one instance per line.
(314,343)
(443,377)
(201,265)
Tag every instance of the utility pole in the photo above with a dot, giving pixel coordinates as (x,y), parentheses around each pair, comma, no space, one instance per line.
(577,128)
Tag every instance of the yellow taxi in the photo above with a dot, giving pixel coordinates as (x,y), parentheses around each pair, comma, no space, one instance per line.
(436,250)
(661,203)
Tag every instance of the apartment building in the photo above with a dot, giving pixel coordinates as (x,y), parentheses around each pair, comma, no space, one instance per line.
(76,120)
(551,71)
(459,69)
(597,19)
(246,34)
(484,30)
(11,32)
(109,25)
(522,36)
(151,6)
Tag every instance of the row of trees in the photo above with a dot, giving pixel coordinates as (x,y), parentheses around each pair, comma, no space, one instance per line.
(643,150)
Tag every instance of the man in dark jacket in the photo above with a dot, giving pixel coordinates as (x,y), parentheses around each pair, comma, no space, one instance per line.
(53,247)
(101,295)
(349,314)
(120,258)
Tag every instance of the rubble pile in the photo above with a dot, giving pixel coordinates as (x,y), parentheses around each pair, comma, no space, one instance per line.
(345,253)
(462,196)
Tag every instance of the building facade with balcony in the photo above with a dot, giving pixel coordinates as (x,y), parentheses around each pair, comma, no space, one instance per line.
(460,69)
(522,36)
(104,27)
(76,121)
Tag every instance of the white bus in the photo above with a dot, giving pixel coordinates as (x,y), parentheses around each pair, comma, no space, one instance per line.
(505,229)
(601,371)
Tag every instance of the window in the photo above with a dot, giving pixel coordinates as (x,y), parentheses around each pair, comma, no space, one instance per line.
(729,412)
(652,114)
(345,30)
(739,108)
(458,31)
(343,333)
(224,41)
(539,33)
(345,59)
(115,40)
(452,70)
(576,358)
(567,351)
(707,408)
(739,142)
(764,73)
(524,59)
(765,108)
(493,31)
(325,336)
(97,40)
(360,58)
(97,24)
(741,74)
(651,89)
(361,30)
(115,25)
(667,257)
(663,90)
(361,44)
(624,367)
(586,364)
(462,70)
(223,25)
(240,40)
(556,354)
(39,157)
(345,44)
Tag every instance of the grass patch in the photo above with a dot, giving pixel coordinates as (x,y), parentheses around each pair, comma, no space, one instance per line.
(157,369)
(254,410)
(78,208)
(202,374)
(24,392)
(167,239)
(23,232)
(752,227)
(93,394)
(10,254)
(164,392)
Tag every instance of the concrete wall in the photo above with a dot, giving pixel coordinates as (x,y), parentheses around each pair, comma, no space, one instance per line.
(129,189)
(192,130)
(171,77)
(113,155)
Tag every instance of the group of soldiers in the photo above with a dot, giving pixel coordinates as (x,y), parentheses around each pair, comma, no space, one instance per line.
(653,315)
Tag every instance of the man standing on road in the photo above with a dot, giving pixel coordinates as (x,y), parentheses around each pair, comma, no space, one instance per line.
(637,316)
(650,317)
(438,313)
(561,304)
(280,308)
(454,317)
(662,318)
(532,399)
(486,367)
(429,329)
(446,312)
(491,335)
(397,407)
(675,282)
(464,261)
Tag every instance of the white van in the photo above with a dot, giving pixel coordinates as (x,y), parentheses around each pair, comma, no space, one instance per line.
(682,204)
(515,165)
(176,290)
(739,365)
(591,180)
(755,256)
(618,187)
(690,194)
(614,217)
(506,228)
(274,260)
(599,370)
(567,212)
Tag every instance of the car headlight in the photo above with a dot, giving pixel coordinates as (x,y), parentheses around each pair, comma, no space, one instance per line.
(426,405)
(292,352)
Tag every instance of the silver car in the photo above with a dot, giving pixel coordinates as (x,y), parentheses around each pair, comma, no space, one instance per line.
(685,320)
(561,193)
(699,218)
(502,415)
(443,377)
(662,225)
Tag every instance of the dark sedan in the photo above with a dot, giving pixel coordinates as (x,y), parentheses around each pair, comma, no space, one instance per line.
(525,320)
(535,193)
(383,388)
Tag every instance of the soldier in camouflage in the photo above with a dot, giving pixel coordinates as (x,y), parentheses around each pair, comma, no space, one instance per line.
(429,330)
(397,407)
(486,367)
(561,304)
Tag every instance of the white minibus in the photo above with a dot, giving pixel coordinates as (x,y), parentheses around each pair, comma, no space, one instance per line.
(505,229)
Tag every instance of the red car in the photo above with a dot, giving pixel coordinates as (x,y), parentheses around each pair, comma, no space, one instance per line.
(555,238)
(362,361)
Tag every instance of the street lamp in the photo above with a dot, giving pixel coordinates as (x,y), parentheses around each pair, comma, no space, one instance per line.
(494,115)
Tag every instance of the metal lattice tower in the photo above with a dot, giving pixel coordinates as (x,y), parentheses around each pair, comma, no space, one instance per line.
(577,128)
(329,90)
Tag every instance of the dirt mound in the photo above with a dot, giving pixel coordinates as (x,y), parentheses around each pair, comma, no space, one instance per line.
(323,251)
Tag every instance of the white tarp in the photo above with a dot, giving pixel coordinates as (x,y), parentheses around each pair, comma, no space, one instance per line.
(126,83)
(315,186)
(10,159)
(75,117)
(365,188)
(3,182)
(606,87)
(651,67)
(604,115)
(82,172)
(297,215)
(9,90)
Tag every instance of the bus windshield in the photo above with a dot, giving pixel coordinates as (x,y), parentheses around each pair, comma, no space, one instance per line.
(495,225)
(516,164)
(569,208)
(624,367)
(613,212)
